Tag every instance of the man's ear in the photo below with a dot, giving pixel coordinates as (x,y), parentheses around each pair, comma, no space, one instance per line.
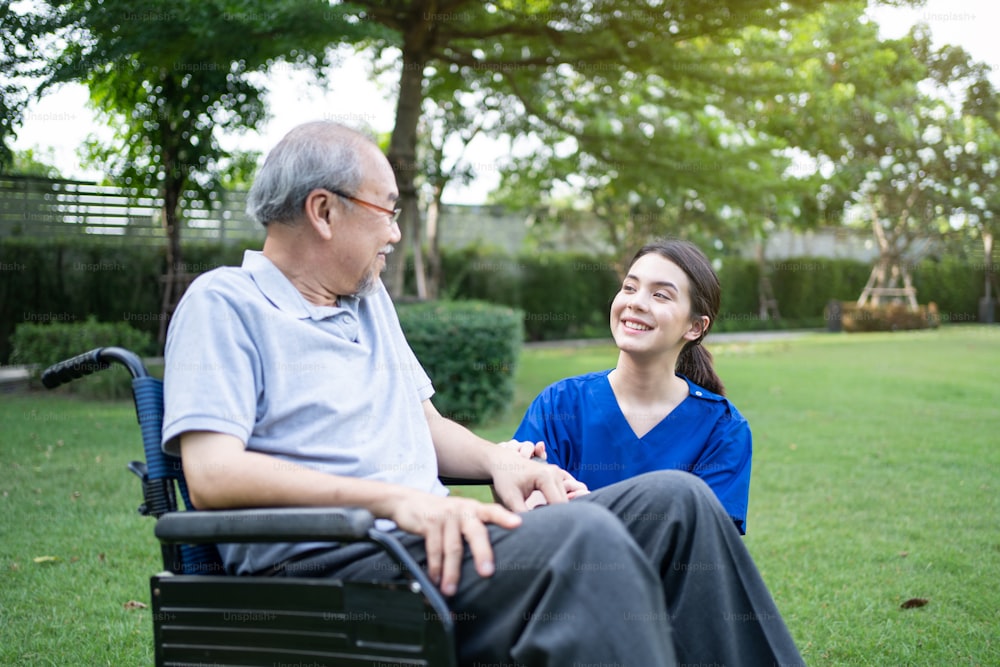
(320,211)
(699,325)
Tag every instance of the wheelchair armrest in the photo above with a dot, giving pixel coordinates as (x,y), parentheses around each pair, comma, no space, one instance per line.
(290,524)
(464,481)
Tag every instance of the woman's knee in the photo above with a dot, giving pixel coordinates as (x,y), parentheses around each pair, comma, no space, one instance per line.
(672,483)
(583,520)
(675,489)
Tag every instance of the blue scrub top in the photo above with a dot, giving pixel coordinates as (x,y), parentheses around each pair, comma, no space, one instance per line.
(586,434)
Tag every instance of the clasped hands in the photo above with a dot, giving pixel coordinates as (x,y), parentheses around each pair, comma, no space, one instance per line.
(536,452)
(521,481)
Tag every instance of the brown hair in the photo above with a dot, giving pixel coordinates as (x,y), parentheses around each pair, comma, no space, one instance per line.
(694,362)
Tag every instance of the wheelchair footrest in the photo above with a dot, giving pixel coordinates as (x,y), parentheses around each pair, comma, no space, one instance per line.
(221,620)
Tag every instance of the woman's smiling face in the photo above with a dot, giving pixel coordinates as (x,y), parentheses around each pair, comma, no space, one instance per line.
(652,311)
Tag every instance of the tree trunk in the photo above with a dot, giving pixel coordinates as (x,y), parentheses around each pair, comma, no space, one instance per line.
(172,282)
(173,187)
(403,150)
(890,268)
(171,224)
(433,244)
(987,264)
(767,305)
(987,304)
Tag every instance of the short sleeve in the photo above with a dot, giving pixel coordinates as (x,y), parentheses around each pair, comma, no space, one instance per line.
(726,465)
(537,426)
(211,374)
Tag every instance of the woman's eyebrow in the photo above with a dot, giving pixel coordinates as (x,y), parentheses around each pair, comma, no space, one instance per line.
(656,283)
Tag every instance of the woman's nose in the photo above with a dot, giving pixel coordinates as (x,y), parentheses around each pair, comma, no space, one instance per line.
(636,301)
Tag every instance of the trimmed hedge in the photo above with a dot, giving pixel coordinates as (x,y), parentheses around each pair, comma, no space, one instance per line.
(69,280)
(470,351)
(561,295)
(41,345)
(569,296)
(952,286)
(802,288)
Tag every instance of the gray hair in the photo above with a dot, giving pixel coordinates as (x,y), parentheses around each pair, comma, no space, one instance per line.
(316,155)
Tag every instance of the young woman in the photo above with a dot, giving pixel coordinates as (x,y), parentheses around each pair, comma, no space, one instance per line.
(662,406)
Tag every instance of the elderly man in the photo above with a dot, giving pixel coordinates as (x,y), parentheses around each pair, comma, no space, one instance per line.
(289,382)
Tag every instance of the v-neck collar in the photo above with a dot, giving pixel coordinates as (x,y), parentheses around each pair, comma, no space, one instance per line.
(619,415)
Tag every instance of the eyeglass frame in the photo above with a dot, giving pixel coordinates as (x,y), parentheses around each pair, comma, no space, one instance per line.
(392,213)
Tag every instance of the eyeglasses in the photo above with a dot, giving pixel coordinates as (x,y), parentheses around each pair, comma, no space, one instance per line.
(392,213)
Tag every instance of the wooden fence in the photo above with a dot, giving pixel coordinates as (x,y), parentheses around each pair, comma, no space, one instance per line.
(39,207)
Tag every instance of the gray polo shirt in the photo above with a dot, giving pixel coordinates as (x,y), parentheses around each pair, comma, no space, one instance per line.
(336,389)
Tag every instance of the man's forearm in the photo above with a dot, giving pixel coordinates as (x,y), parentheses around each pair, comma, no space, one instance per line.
(460,452)
(222,474)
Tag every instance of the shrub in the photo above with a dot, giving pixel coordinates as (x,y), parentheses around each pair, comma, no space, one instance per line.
(470,350)
(802,286)
(40,345)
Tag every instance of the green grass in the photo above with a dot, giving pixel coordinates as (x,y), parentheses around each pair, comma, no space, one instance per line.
(874,482)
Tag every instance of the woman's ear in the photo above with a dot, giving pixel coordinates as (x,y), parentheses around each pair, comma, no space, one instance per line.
(699,325)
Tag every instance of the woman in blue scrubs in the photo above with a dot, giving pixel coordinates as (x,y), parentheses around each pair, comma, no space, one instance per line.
(662,406)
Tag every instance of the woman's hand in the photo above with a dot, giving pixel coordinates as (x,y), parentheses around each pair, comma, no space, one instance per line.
(526,449)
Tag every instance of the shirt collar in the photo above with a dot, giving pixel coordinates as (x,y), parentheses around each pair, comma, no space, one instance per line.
(699,391)
(280,291)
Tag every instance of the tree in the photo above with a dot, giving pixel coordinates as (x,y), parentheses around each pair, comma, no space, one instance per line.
(979,138)
(454,116)
(170,77)
(915,157)
(14,28)
(980,209)
(526,50)
(31,163)
(688,143)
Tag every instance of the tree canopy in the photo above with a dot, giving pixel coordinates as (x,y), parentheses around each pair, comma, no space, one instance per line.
(170,77)
(715,121)
(606,74)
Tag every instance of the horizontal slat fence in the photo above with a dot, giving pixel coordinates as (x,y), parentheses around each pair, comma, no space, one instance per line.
(39,207)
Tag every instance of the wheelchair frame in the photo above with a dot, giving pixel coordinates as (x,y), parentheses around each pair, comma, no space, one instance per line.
(201,616)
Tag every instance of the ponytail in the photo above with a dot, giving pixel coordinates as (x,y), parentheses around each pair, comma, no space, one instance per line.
(695,363)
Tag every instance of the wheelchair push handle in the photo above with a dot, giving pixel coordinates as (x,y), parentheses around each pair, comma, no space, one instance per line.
(90,362)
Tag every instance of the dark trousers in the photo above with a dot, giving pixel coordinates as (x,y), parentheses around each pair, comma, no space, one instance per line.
(650,571)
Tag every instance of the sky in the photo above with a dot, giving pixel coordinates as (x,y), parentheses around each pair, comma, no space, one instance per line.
(58,124)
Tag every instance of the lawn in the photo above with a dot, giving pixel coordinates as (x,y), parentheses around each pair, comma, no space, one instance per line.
(874,483)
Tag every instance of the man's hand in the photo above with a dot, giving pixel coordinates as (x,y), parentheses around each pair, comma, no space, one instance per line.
(523,483)
(222,474)
(447,524)
(536,452)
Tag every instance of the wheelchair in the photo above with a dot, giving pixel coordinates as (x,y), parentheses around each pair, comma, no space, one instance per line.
(202,616)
